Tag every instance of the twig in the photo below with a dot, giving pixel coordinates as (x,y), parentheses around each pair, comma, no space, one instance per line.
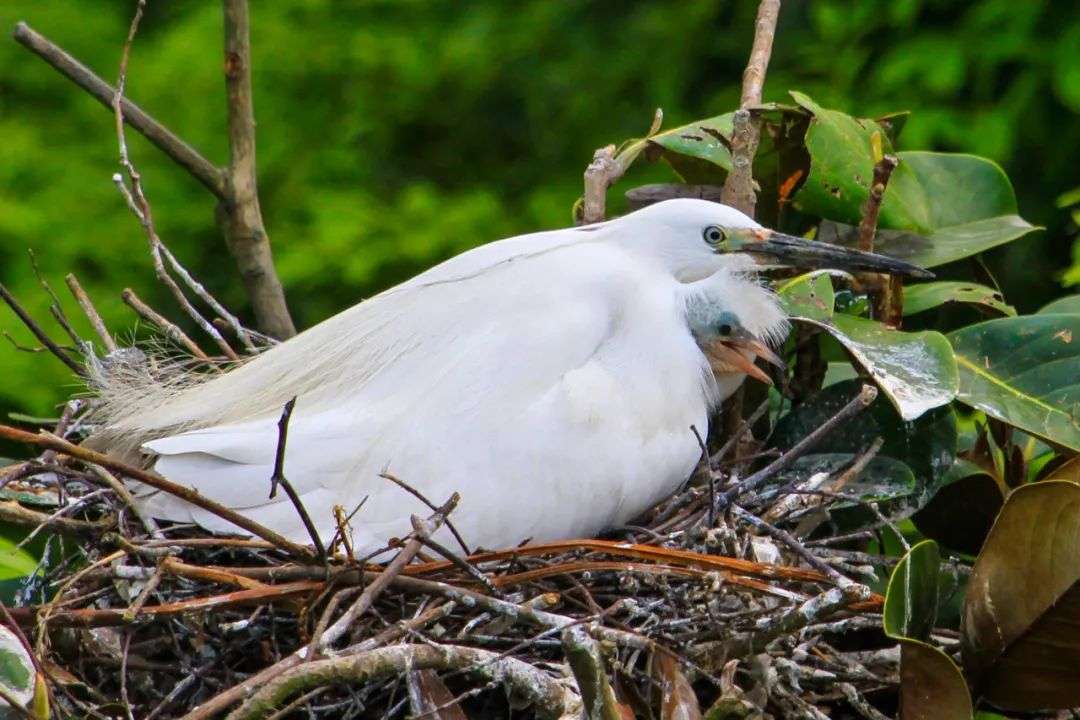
(853,408)
(278,478)
(587,664)
(550,698)
(793,544)
(124,494)
(424,499)
(244,231)
(48,440)
(885,290)
(469,568)
(171,329)
(179,151)
(40,334)
(738,189)
(90,311)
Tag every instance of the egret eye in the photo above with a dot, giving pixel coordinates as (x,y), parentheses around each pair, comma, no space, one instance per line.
(725,329)
(714,235)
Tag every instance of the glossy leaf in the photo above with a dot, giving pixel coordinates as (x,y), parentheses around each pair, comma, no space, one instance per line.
(1068,305)
(927,296)
(912,597)
(884,478)
(927,446)
(15,562)
(948,206)
(931,686)
(1069,470)
(1021,630)
(17,672)
(1024,371)
(916,371)
(707,140)
(962,511)
(808,296)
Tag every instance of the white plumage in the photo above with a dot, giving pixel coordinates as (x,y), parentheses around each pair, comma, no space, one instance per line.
(551,379)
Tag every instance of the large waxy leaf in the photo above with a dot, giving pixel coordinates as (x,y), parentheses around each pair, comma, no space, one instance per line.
(1021,631)
(927,446)
(916,371)
(1068,305)
(808,296)
(708,140)
(931,686)
(911,601)
(949,206)
(962,511)
(927,296)
(15,562)
(1024,371)
(884,478)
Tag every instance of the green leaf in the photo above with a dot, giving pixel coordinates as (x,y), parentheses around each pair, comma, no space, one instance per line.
(17,672)
(948,206)
(1068,305)
(931,686)
(707,140)
(916,371)
(912,598)
(1021,629)
(962,511)
(926,446)
(15,562)
(926,296)
(884,478)
(1024,371)
(808,296)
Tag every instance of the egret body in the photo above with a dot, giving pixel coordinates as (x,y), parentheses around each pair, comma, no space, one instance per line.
(551,379)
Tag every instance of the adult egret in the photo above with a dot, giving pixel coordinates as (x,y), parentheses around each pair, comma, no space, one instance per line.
(551,379)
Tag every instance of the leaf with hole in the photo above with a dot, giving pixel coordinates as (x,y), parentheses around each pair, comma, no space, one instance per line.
(945,206)
(927,296)
(1021,630)
(1024,371)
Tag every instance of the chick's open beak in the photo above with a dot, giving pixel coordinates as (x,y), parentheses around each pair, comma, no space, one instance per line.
(728,356)
(792,251)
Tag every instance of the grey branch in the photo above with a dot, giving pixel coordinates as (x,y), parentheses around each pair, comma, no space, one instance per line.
(179,151)
(746,134)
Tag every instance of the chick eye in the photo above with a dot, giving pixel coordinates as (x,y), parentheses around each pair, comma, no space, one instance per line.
(713,235)
(725,329)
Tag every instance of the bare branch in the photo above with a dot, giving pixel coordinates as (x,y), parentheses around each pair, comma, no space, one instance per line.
(90,311)
(739,186)
(278,478)
(40,334)
(179,151)
(242,221)
(171,329)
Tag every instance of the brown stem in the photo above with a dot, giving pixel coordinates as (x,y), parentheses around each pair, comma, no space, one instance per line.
(278,478)
(171,329)
(40,334)
(90,311)
(738,189)
(885,291)
(179,151)
(244,231)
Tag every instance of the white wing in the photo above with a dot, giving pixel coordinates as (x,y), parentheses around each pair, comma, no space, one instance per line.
(531,390)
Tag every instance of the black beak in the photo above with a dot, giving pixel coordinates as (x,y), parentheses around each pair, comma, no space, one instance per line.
(788,250)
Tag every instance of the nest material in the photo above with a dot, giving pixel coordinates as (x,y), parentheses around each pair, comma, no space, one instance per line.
(704,603)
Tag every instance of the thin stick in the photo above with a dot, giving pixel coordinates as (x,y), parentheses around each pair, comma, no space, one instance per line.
(171,329)
(738,189)
(90,311)
(40,334)
(794,545)
(853,408)
(422,498)
(885,291)
(278,478)
(179,151)
(48,440)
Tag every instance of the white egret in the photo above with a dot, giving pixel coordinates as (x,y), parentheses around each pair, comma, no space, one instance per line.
(551,379)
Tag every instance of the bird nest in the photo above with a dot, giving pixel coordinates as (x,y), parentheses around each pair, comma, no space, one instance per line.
(706,602)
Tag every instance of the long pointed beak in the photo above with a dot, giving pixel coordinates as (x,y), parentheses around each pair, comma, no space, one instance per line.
(732,358)
(799,252)
(760,349)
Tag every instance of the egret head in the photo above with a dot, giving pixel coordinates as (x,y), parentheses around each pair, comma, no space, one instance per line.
(734,320)
(694,238)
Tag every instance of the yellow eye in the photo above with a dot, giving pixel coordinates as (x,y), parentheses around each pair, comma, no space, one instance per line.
(714,235)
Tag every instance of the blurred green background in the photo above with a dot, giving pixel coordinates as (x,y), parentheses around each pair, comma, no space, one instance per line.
(395,134)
